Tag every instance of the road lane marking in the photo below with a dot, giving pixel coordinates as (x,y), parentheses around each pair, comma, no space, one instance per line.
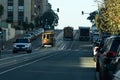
(26,64)
(12,57)
(10,62)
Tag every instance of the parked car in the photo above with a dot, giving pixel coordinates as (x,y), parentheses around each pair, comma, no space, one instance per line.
(106,56)
(116,66)
(116,76)
(95,49)
(34,36)
(101,43)
(28,36)
(22,45)
(95,37)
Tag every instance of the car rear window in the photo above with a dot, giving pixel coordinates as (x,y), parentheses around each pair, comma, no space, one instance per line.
(115,45)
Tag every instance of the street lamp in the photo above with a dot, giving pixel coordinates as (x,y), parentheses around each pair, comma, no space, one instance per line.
(57,9)
(82,12)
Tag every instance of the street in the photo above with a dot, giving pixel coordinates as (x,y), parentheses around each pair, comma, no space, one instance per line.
(68,60)
(59,40)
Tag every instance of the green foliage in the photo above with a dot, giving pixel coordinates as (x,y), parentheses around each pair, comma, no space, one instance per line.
(49,18)
(37,22)
(25,26)
(31,25)
(18,27)
(108,18)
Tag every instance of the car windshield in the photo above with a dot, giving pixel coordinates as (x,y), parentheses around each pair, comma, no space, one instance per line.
(21,41)
(27,35)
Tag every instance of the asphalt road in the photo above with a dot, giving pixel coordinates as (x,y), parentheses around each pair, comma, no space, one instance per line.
(70,60)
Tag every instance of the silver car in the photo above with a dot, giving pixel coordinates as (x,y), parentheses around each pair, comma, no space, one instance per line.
(22,45)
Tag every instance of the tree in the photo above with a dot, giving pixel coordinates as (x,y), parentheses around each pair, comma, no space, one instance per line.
(101,20)
(108,18)
(49,18)
(25,26)
(37,22)
(31,25)
(91,16)
(1,10)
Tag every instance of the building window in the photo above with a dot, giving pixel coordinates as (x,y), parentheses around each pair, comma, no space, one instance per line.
(10,17)
(20,17)
(10,2)
(21,2)
(10,8)
(10,11)
(21,8)
(20,11)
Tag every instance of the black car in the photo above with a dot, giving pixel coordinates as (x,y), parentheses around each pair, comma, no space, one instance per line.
(96,47)
(116,66)
(101,44)
(106,56)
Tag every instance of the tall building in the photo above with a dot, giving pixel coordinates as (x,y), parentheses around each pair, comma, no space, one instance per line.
(41,6)
(18,11)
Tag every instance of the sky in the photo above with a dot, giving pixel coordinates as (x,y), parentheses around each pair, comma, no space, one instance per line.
(70,12)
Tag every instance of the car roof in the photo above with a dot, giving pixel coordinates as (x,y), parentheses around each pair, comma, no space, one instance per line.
(22,39)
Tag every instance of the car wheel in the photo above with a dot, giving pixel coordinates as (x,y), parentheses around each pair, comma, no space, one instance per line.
(103,75)
(53,45)
(97,66)
(43,46)
(29,51)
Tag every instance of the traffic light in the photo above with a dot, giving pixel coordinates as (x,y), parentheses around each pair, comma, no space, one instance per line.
(57,9)
(82,12)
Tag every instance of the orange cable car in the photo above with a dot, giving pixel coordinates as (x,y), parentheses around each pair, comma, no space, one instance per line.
(48,38)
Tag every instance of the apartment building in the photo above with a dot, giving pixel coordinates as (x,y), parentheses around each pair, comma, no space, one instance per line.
(18,11)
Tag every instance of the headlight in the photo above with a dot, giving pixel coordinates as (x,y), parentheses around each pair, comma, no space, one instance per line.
(14,45)
(27,45)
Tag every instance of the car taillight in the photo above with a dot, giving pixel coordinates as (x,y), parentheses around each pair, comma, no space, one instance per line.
(110,54)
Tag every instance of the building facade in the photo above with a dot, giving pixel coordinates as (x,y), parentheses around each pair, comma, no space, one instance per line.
(18,11)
